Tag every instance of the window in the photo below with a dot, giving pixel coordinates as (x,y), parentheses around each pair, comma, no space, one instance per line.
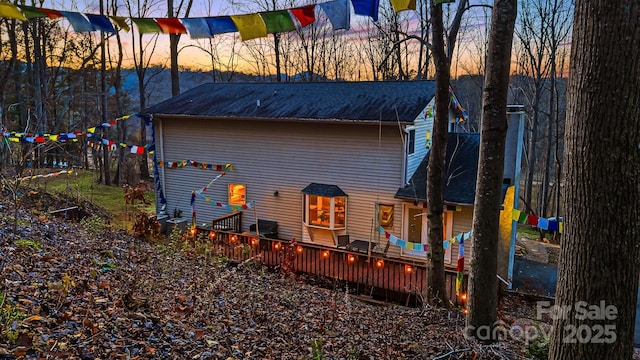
(411,142)
(416,231)
(325,206)
(237,194)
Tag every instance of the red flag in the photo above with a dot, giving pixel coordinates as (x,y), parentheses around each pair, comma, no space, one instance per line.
(171,26)
(51,14)
(305,15)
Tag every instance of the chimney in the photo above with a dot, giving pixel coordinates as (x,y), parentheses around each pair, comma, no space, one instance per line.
(513,144)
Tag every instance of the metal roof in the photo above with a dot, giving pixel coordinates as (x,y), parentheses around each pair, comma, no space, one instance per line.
(386,101)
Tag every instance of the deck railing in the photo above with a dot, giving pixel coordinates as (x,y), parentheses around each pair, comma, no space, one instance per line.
(231,222)
(384,278)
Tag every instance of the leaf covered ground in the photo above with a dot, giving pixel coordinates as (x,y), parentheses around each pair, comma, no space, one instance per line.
(81,291)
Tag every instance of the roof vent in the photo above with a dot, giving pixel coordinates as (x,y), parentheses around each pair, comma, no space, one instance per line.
(257,103)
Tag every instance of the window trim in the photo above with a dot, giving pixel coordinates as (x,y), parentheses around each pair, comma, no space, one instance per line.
(230,192)
(411,141)
(447,217)
(332,212)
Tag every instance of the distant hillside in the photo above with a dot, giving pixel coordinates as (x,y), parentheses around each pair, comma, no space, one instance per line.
(159,82)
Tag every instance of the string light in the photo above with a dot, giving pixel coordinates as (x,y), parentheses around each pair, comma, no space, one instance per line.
(193,231)
(324,254)
(277,246)
(463,296)
(351,259)
(408,269)
(254,241)
(299,249)
(212,235)
(233,238)
(379,263)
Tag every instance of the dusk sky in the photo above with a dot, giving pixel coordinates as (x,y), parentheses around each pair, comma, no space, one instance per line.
(192,57)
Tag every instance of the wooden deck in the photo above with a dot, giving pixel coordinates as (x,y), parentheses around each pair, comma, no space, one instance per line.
(384,278)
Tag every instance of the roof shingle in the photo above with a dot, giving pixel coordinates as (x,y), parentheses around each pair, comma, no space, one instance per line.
(350,101)
(461,172)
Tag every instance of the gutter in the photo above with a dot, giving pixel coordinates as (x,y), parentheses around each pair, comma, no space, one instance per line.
(290,120)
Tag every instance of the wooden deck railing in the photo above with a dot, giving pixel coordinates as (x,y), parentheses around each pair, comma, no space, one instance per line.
(231,222)
(389,279)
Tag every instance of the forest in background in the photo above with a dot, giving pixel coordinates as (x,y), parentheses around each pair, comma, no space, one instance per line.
(58,81)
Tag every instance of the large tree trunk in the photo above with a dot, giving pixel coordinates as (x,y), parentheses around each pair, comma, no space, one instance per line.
(483,285)
(437,159)
(601,196)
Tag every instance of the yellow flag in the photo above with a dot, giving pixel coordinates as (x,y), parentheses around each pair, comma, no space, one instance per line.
(10,11)
(409,245)
(91,130)
(121,21)
(401,5)
(250,26)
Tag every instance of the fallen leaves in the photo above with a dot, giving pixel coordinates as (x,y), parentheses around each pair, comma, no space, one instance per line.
(113,296)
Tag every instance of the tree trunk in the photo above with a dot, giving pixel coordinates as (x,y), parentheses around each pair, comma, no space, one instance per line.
(175,71)
(483,287)
(276,49)
(103,97)
(601,195)
(173,54)
(437,159)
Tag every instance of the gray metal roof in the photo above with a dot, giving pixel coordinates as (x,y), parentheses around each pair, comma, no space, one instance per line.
(461,172)
(349,101)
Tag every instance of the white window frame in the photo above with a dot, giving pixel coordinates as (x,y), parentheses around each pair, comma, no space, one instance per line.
(332,212)
(448,228)
(411,134)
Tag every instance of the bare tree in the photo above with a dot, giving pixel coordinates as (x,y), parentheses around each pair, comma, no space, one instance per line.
(542,29)
(142,52)
(601,196)
(174,39)
(437,160)
(486,212)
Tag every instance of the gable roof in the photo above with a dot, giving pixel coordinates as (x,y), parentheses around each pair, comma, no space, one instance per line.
(388,101)
(461,167)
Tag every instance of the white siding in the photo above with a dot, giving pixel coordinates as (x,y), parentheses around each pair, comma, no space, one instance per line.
(283,157)
(421,125)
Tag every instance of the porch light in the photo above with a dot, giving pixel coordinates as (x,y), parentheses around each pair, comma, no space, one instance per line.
(379,263)
(408,269)
(212,235)
(299,249)
(277,246)
(324,254)
(254,242)
(351,259)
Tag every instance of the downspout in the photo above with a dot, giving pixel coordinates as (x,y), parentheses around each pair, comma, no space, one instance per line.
(516,116)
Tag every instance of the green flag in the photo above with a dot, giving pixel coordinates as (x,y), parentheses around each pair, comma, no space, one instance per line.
(277,21)
(146,26)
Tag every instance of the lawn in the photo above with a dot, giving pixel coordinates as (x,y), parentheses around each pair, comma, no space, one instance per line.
(110,198)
